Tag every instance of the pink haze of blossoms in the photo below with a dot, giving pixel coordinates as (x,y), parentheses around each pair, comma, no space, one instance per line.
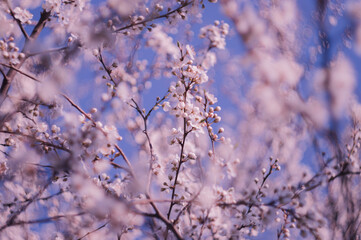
(91,150)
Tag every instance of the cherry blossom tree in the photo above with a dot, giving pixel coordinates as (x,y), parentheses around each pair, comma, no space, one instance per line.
(111,128)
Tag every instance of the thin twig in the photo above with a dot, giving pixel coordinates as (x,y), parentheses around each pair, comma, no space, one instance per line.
(88,233)
(19,71)
(79,109)
(108,71)
(41,220)
(37,140)
(38,199)
(126,160)
(166,15)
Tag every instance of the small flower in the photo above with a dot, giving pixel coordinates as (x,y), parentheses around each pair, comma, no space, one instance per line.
(95,52)
(192,156)
(22,15)
(42,127)
(86,143)
(166,106)
(55,129)
(159,7)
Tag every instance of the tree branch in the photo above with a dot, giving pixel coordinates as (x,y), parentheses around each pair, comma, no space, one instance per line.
(166,15)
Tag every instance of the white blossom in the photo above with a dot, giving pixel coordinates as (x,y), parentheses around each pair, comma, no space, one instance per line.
(22,15)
